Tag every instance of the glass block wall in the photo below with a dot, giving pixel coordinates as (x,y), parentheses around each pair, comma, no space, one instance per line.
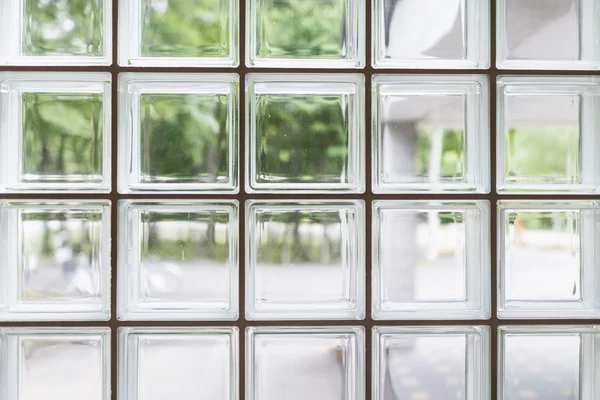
(299,199)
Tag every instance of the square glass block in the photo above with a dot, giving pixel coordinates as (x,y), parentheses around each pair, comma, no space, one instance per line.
(305,260)
(317,363)
(178,33)
(547,134)
(431,133)
(448,34)
(55,260)
(556,34)
(305,33)
(178,133)
(55,131)
(57,32)
(306,133)
(449,362)
(178,260)
(178,363)
(431,259)
(547,267)
(549,362)
(55,363)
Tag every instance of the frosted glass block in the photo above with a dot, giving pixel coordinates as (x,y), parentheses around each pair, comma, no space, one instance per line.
(178,363)
(57,32)
(305,33)
(320,363)
(553,34)
(178,260)
(178,33)
(55,262)
(305,260)
(305,133)
(431,133)
(178,133)
(55,131)
(431,259)
(55,363)
(547,264)
(448,34)
(450,362)
(548,362)
(547,139)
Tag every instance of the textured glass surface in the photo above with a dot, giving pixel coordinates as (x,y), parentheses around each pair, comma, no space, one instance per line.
(178,363)
(547,139)
(556,35)
(305,260)
(431,363)
(56,363)
(427,259)
(56,262)
(179,132)
(55,132)
(172,33)
(431,34)
(178,260)
(547,261)
(430,133)
(305,133)
(307,33)
(305,363)
(548,362)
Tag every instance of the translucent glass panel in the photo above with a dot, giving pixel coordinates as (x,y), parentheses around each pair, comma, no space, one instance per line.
(55,131)
(178,260)
(430,260)
(55,363)
(55,260)
(553,34)
(175,33)
(321,363)
(58,32)
(547,139)
(548,362)
(547,261)
(431,363)
(305,260)
(430,133)
(305,133)
(178,363)
(178,133)
(305,33)
(450,34)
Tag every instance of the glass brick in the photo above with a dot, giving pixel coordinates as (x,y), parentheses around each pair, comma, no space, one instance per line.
(305,33)
(431,133)
(320,363)
(178,260)
(547,267)
(431,259)
(547,138)
(55,363)
(178,33)
(447,34)
(555,35)
(425,362)
(55,263)
(305,260)
(55,132)
(178,363)
(57,32)
(306,133)
(548,362)
(178,133)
